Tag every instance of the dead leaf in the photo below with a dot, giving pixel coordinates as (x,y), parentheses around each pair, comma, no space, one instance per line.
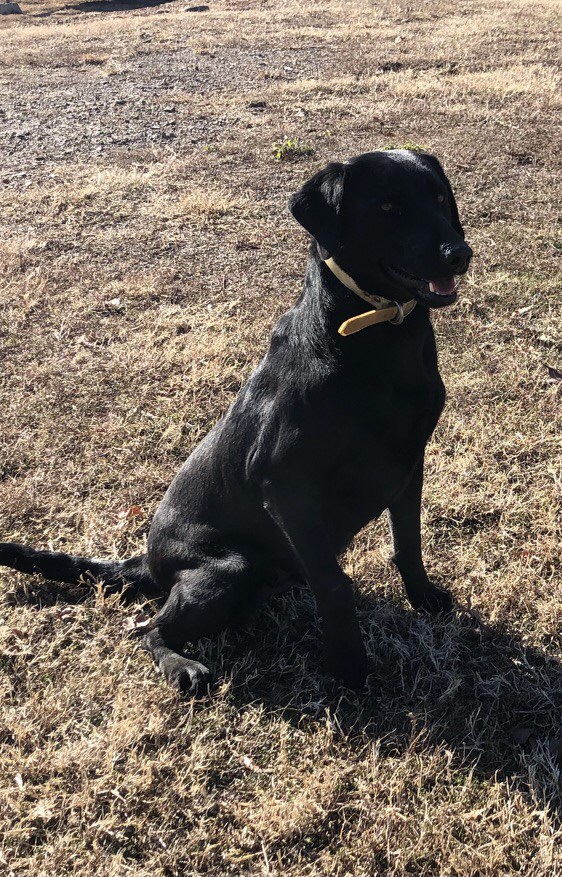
(19,781)
(43,811)
(134,511)
(554,373)
(66,613)
(484,630)
(249,764)
(115,304)
(137,623)
(84,341)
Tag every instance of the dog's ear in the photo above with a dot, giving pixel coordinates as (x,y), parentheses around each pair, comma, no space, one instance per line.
(435,165)
(317,207)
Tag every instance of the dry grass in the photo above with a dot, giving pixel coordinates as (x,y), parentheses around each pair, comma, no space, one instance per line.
(146,252)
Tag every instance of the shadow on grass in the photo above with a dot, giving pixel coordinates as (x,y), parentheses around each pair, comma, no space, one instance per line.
(114,5)
(101,6)
(486,696)
(493,701)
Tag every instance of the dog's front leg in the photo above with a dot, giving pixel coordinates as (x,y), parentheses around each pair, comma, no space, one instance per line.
(404,515)
(300,520)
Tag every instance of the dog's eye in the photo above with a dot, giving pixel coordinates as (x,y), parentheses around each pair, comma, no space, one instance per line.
(386,207)
(440,198)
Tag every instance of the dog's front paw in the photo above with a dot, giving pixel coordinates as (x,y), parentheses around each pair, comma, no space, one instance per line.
(187,677)
(349,665)
(431,599)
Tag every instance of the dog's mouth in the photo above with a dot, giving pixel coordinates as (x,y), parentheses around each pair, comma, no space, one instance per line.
(436,293)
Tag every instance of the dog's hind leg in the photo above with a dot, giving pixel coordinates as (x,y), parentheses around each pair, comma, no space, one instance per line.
(202,602)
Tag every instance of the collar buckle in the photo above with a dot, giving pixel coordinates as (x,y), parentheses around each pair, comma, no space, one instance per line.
(399,318)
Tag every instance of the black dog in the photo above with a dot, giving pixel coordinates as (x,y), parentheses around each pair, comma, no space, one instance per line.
(329,431)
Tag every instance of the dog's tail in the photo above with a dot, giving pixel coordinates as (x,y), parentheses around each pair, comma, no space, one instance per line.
(133,575)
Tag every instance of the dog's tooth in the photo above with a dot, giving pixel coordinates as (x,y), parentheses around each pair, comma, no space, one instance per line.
(431,287)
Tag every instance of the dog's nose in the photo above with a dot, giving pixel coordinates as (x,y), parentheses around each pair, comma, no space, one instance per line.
(457,257)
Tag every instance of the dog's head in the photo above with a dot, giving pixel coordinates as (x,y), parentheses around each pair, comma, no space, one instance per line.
(390,220)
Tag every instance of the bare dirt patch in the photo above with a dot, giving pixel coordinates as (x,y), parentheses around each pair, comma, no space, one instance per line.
(146,251)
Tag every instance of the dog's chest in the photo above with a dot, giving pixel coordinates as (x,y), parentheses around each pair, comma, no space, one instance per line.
(393,422)
(395,402)
(380,432)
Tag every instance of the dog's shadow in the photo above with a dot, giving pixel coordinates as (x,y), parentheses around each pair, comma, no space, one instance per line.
(495,702)
(114,5)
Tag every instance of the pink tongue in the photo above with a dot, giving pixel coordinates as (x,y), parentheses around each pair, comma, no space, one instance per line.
(443,287)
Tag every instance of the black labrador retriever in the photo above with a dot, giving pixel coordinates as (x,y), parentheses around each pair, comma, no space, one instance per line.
(329,431)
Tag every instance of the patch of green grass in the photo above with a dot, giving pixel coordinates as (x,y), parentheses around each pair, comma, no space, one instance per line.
(412,147)
(291,150)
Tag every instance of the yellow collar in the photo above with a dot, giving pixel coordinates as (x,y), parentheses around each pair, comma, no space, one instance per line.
(384,311)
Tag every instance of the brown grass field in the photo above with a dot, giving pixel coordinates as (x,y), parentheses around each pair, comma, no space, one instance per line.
(146,252)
